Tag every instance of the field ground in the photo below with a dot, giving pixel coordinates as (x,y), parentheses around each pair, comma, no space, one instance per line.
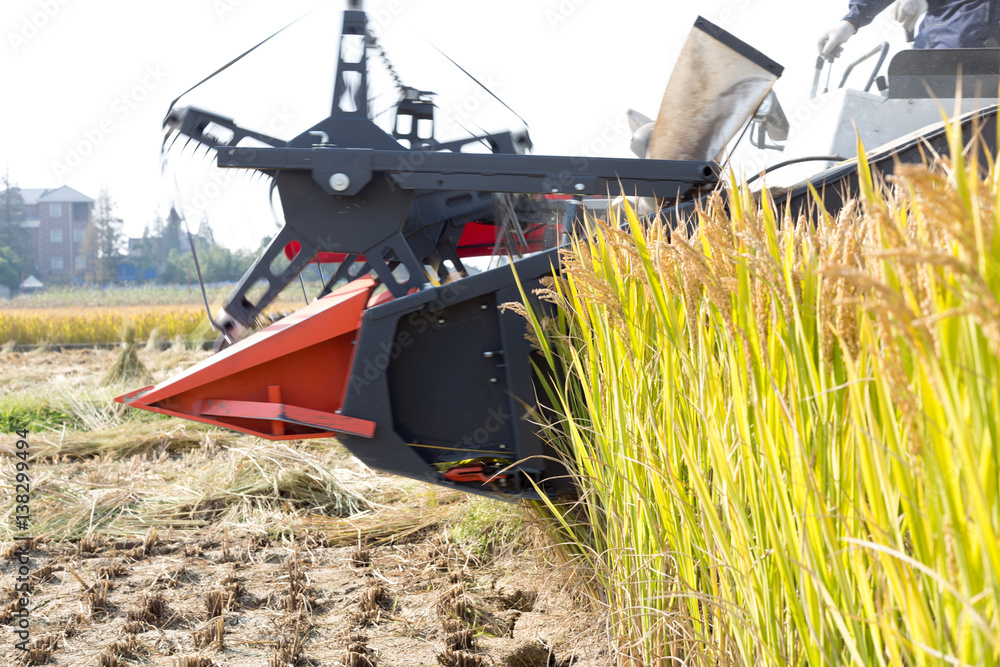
(156,538)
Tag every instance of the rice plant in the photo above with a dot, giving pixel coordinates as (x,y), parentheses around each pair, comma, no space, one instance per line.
(32,326)
(784,432)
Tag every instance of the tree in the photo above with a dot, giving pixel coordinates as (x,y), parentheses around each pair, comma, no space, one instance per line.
(150,252)
(218,264)
(12,232)
(171,233)
(10,269)
(205,232)
(160,248)
(179,269)
(104,238)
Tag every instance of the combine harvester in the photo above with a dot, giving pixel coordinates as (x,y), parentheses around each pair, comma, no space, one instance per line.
(407,359)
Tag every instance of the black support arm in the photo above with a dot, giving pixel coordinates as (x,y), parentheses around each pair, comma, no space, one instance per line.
(346,171)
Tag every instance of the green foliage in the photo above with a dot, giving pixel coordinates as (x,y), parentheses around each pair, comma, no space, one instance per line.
(12,235)
(10,269)
(158,240)
(218,264)
(103,238)
(161,248)
(18,414)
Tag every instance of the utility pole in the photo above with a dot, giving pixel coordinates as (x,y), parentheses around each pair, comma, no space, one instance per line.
(72,254)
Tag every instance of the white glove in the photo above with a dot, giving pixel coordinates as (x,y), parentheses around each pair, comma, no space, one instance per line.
(907,12)
(831,43)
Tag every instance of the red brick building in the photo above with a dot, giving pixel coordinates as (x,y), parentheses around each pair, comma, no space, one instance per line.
(57,222)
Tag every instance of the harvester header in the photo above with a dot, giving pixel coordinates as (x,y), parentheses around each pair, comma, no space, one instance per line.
(405,355)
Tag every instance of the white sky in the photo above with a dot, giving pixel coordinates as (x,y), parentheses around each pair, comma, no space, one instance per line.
(87,83)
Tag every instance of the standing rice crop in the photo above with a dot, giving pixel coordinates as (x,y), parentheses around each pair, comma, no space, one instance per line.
(785,432)
(32,326)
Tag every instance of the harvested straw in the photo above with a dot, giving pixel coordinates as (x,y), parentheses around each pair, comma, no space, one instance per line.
(127,367)
(128,439)
(137,486)
(154,341)
(387,525)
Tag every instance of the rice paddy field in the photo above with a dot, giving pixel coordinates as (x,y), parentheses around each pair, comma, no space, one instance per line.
(93,315)
(164,542)
(783,433)
(34,326)
(88,315)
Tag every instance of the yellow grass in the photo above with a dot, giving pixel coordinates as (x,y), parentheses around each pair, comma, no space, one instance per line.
(29,326)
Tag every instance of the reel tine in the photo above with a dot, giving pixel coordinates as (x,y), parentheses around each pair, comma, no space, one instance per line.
(173,142)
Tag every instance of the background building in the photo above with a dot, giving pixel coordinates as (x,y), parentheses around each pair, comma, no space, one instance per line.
(57,222)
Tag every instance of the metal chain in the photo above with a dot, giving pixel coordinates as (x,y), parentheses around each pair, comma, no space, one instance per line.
(373,40)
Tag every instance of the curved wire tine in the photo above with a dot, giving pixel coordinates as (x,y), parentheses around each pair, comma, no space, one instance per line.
(237,59)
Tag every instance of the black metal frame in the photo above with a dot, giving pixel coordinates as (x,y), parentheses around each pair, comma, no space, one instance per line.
(447,376)
(415,201)
(924,73)
(444,373)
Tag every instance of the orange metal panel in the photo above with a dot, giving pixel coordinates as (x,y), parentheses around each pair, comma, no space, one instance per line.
(290,413)
(274,396)
(307,354)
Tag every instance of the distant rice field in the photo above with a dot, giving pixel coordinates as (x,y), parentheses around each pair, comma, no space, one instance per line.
(132,295)
(151,295)
(34,326)
(65,315)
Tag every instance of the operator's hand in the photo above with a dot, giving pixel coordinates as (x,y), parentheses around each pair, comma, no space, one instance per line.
(831,43)
(907,12)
